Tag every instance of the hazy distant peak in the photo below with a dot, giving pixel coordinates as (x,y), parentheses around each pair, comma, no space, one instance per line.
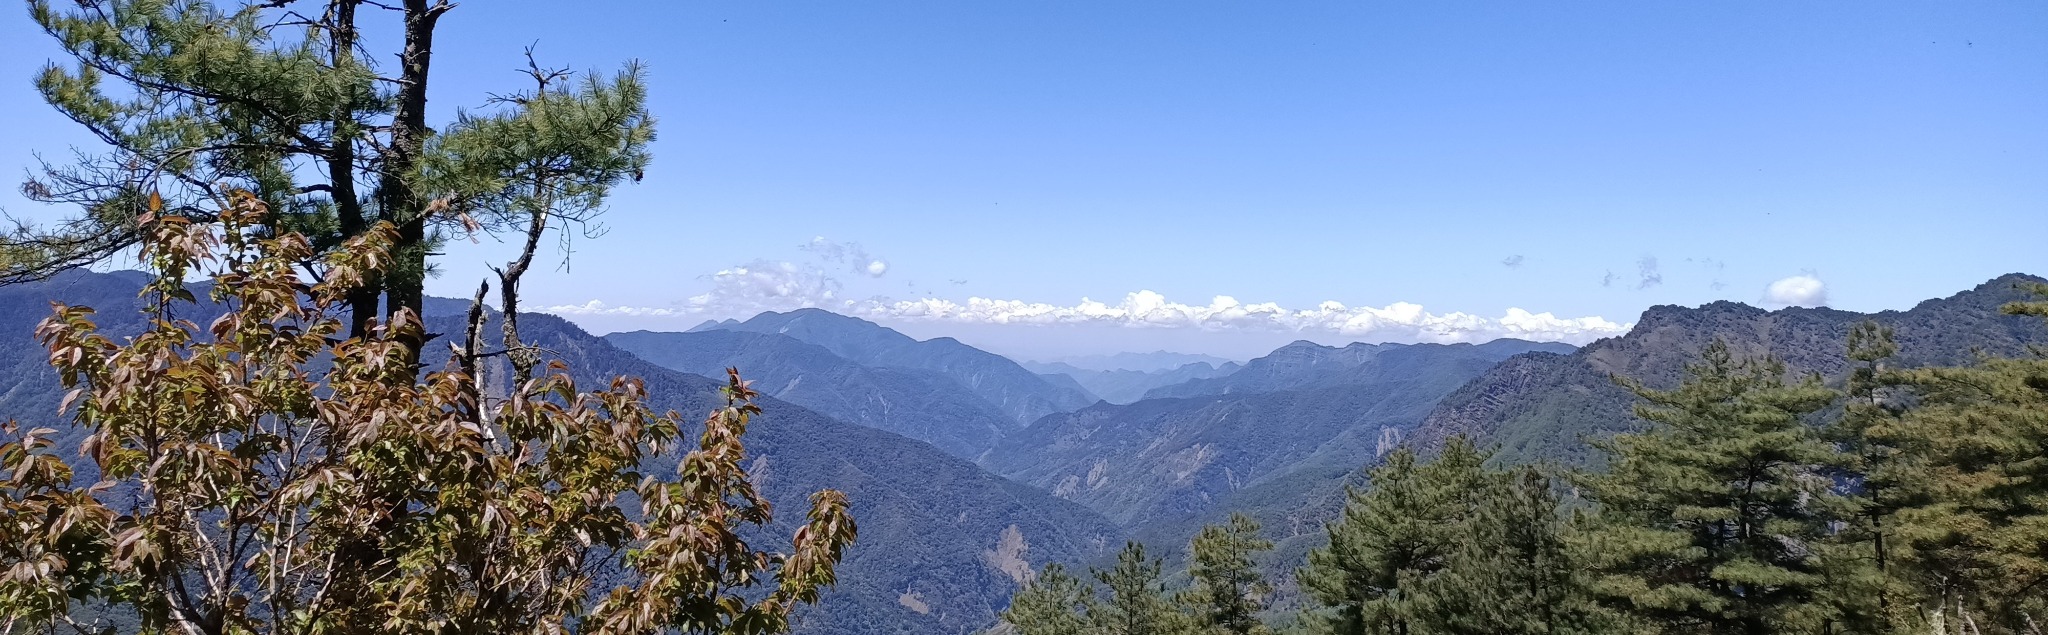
(1017,392)
(1155,361)
(713,325)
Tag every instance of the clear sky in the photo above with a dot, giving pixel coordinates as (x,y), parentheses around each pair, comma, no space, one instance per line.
(1581,159)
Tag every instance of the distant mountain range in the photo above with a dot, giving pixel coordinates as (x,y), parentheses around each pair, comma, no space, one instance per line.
(1020,394)
(1141,362)
(919,404)
(942,542)
(1126,386)
(1541,406)
(1305,365)
(1174,457)
(967,469)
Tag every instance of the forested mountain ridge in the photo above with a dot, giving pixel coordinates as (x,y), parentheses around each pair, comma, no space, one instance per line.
(1018,393)
(1305,365)
(31,392)
(1291,367)
(919,404)
(1176,458)
(1542,406)
(942,542)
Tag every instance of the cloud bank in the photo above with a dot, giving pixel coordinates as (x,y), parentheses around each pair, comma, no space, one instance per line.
(1801,290)
(780,286)
(1397,322)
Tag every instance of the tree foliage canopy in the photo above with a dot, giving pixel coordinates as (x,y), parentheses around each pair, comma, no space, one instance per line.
(262,475)
(284,100)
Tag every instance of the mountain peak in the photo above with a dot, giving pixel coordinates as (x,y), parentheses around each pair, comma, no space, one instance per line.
(1673,315)
(812,313)
(2004,288)
(713,325)
(1019,393)
(1537,407)
(2010,279)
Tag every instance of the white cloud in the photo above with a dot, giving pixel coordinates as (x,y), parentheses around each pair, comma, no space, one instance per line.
(781,286)
(761,285)
(1801,290)
(765,285)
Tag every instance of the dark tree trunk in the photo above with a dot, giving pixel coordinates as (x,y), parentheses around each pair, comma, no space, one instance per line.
(341,159)
(523,358)
(398,202)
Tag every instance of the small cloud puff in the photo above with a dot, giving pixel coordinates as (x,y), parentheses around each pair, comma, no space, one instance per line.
(1647,273)
(1801,290)
(856,258)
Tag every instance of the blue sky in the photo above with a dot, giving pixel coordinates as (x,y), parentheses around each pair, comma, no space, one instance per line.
(1366,153)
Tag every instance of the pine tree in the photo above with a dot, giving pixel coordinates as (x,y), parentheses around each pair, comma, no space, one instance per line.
(1859,583)
(289,105)
(1709,519)
(1378,540)
(1136,602)
(1053,603)
(1513,571)
(1972,479)
(1392,538)
(1229,589)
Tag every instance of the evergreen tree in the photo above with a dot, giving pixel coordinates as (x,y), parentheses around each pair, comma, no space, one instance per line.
(1054,603)
(1709,519)
(1229,589)
(1513,571)
(1392,538)
(1859,582)
(1972,482)
(287,103)
(1137,603)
